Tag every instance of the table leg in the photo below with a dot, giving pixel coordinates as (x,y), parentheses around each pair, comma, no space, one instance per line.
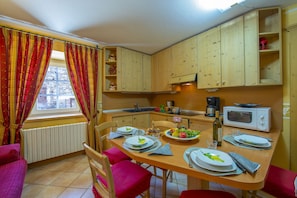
(194,183)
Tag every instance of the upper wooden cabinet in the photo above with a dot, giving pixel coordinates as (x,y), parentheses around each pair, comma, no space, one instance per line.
(221,56)
(110,69)
(161,67)
(147,73)
(232,53)
(250,51)
(209,58)
(129,71)
(263,47)
(184,58)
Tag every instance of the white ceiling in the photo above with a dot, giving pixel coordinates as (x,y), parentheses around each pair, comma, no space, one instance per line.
(143,25)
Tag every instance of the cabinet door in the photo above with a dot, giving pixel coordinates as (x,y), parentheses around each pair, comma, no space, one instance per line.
(161,63)
(209,59)
(131,70)
(232,53)
(141,121)
(251,48)
(123,120)
(199,125)
(146,74)
(184,57)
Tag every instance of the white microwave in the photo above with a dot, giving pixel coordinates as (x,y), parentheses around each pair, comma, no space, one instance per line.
(255,118)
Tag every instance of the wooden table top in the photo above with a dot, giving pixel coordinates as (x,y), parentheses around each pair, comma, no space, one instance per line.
(177,163)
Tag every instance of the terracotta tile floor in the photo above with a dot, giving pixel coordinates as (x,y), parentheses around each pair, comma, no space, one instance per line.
(71,178)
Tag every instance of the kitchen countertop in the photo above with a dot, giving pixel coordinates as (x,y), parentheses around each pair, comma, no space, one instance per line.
(121,112)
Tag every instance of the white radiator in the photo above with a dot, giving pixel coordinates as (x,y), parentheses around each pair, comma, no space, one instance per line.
(48,142)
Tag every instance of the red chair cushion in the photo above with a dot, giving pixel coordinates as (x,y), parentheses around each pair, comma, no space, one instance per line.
(280,182)
(9,153)
(130,179)
(115,155)
(206,194)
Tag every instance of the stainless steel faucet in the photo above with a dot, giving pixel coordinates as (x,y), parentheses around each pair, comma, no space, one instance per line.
(136,107)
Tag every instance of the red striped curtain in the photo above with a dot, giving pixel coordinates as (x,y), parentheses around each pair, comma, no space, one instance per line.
(82,64)
(24,59)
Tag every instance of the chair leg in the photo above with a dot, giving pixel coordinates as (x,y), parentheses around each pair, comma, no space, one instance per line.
(164,183)
(170,175)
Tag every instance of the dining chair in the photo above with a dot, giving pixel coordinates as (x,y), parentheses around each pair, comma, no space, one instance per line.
(163,125)
(206,194)
(124,179)
(114,154)
(280,182)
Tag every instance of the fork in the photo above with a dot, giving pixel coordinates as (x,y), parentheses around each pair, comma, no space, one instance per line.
(188,154)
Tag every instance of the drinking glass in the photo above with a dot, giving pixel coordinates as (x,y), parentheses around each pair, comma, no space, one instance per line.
(212,144)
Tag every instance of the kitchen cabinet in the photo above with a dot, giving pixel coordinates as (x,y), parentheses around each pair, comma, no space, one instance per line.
(161,63)
(110,68)
(209,59)
(263,47)
(138,121)
(199,125)
(232,53)
(147,73)
(123,120)
(184,122)
(141,121)
(184,59)
(134,71)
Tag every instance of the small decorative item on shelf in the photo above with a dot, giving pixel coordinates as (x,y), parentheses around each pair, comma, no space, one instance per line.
(112,69)
(112,86)
(112,58)
(263,43)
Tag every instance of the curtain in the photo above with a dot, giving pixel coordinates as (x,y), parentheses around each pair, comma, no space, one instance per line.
(82,65)
(24,59)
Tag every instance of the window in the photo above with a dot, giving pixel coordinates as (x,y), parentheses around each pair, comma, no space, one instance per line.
(56,95)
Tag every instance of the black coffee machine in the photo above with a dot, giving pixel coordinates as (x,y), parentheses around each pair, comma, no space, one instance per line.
(213,105)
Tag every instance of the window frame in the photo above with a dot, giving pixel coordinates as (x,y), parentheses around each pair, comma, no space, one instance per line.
(57,60)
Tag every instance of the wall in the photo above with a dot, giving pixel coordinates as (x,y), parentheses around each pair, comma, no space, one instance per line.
(192,98)
(287,145)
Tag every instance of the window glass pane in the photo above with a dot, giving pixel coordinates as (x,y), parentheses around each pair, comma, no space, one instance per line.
(56,94)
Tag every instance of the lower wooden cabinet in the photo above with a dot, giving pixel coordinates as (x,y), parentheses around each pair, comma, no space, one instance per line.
(199,125)
(138,121)
(184,122)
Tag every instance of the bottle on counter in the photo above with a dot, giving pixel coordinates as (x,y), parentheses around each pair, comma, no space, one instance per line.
(217,129)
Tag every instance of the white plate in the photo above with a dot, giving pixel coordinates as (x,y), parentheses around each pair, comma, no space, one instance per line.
(167,134)
(126,129)
(267,145)
(223,158)
(250,139)
(201,164)
(149,143)
(137,140)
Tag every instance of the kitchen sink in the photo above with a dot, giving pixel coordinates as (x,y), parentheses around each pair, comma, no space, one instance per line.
(190,113)
(139,109)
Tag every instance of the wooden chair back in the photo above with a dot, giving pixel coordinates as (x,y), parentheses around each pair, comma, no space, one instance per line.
(101,133)
(100,165)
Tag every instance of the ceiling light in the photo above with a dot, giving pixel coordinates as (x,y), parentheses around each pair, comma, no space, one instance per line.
(221,5)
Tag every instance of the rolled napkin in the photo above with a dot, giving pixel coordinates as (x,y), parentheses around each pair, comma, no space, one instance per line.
(164,150)
(114,135)
(247,164)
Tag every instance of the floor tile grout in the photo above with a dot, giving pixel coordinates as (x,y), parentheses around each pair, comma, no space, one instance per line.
(71,178)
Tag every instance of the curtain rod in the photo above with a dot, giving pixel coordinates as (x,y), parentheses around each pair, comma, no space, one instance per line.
(57,39)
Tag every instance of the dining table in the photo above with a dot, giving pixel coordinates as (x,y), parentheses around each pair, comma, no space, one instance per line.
(197,179)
